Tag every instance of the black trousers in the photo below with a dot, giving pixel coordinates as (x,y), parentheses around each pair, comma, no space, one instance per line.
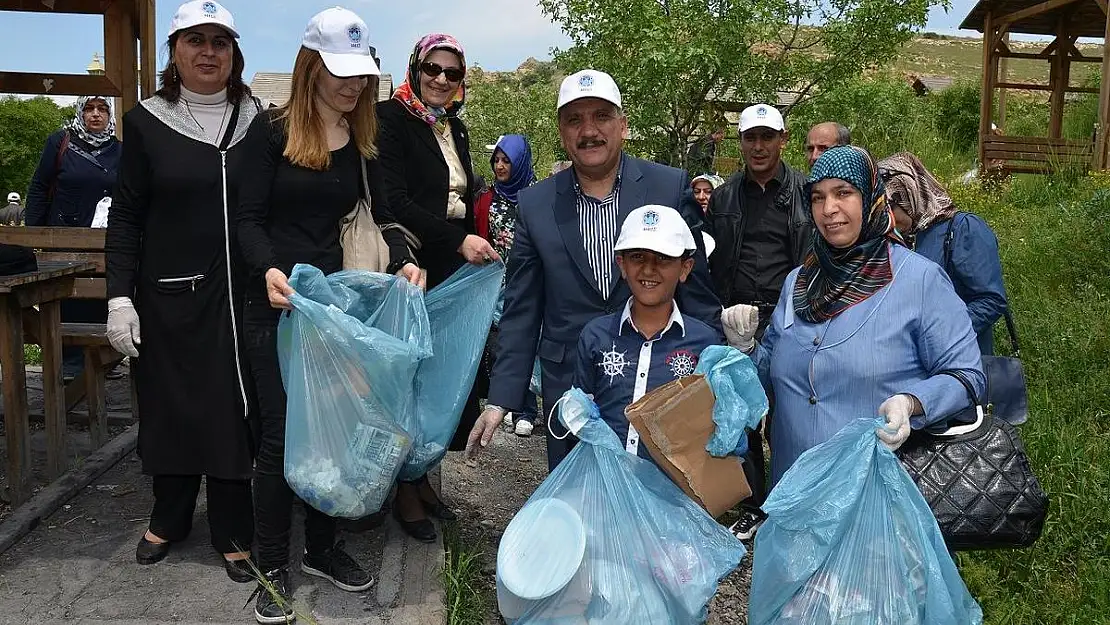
(229,510)
(273,499)
(755,463)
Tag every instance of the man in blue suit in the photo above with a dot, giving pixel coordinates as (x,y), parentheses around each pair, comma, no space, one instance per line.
(562,270)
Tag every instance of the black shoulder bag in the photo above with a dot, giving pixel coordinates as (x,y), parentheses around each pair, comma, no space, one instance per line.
(1006,397)
(977,481)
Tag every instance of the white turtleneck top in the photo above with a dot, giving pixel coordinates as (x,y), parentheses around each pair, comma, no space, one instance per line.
(211,113)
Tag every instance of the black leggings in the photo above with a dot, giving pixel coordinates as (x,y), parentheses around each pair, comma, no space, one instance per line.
(229,510)
(273,499)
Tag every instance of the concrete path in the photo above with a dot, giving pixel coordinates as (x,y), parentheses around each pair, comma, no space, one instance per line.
(78,567)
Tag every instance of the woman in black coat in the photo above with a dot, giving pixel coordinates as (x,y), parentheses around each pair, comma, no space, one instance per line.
(429,182)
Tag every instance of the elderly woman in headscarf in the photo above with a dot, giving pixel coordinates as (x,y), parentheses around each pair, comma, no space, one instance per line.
(961,243)
(703,187)
(495,215)
(77,170)
(424,151)
(863,327)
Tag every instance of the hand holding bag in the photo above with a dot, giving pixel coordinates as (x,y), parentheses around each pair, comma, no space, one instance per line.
(360,236)
(977,481)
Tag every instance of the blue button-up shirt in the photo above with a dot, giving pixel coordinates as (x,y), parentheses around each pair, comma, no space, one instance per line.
(618,366)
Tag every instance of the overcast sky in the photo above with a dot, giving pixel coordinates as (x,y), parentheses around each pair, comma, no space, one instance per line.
(497,34)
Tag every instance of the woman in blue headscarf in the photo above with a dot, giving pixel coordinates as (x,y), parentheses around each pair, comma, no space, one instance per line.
(495,220)
(863,327)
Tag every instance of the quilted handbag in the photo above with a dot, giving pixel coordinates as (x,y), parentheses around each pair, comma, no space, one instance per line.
(977,481)
(1006,396)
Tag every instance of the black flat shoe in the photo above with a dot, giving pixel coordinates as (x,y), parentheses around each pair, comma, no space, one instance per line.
(150,553)
(239,571)
(439,510)
(421,530)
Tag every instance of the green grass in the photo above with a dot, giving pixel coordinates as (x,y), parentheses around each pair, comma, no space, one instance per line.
(1052,233)
(32,355)
(468,601)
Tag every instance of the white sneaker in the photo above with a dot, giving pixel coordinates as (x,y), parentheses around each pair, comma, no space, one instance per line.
(523,427)
(748,525)
(507,421)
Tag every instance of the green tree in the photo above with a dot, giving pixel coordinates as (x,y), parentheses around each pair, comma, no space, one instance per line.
(521,102)
(24,127)
(672,57)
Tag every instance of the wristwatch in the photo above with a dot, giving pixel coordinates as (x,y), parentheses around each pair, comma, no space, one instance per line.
(396,265)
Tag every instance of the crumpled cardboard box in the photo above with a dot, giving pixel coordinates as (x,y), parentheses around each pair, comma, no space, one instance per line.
(675,421)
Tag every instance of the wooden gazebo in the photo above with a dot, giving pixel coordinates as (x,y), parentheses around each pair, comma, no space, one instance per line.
(1066,21)
(129,39)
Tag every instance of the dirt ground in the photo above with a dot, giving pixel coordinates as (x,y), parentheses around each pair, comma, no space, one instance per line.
(489,493)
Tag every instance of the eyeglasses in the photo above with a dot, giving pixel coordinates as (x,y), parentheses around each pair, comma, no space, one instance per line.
(432,70)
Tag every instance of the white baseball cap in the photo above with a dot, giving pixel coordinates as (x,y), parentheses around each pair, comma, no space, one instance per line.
(343,41)
(657,228)
(761,116)
(588,83)
(13,197)
(200,12)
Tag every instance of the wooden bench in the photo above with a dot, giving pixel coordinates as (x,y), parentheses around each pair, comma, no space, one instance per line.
(1037,155)
(78,245)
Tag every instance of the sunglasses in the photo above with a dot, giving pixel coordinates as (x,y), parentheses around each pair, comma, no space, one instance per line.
(432,70)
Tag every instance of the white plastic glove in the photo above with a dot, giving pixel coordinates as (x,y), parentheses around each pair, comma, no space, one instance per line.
(740,323)
(123,326)
(897,411)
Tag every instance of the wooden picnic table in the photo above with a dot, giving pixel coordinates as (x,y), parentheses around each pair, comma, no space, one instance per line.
(19,293)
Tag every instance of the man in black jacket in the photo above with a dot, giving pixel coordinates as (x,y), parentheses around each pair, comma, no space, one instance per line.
(758,219)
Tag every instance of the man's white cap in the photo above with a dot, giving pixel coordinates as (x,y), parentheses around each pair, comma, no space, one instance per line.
(13,197)
(343,40)
(200,12)
(657,228)
(761,116)
(588,83)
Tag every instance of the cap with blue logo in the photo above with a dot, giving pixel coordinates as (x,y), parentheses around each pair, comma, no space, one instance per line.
(343,41)
(658,229)
(200,12)
(588,83)
(761,116)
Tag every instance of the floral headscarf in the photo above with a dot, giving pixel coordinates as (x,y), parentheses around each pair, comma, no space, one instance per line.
(914,189)
(833,280)
(76,126)
(408,94)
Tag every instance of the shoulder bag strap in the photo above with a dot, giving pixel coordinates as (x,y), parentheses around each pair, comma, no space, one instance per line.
(63,145)
(229,132)
(365,178)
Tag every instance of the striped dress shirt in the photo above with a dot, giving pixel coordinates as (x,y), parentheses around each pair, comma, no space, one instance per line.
(598,222)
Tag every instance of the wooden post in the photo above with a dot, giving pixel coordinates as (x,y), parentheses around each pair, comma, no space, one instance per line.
(1102,143)
(17,433)
(1004,76)
(54,408)
(985,102)
(121,54)
(148,49)
(1059,77)
(94,397)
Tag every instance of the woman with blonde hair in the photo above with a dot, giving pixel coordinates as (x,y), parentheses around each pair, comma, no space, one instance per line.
(306,175)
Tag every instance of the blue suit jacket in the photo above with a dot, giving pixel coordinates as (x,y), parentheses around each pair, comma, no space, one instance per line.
(551,294)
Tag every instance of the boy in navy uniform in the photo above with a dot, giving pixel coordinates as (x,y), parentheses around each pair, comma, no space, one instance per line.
(624,355)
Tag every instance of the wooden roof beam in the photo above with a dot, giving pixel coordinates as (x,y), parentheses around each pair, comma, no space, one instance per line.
(1102,5)
(84,7)
(1005,21)
(56,84)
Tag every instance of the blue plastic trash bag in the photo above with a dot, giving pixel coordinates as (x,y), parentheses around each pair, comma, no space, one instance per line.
(459,313)
(739,400)
(609,539)
(349,352)
(849,540)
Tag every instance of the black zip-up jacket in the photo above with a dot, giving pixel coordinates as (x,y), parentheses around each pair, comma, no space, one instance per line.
(725,219)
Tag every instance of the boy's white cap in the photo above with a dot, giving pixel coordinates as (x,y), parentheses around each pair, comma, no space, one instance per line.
(588,83)
(761,116)
(13,197)
(657,228)
(200,12)
(343,40)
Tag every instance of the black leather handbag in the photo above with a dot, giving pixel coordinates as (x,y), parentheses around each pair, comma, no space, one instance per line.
(1006,396)
(977,480)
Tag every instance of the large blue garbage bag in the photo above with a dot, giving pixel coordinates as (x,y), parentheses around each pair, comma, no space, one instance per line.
(460,311)
(849,540)
(740,402)
(349,352)
(608,538)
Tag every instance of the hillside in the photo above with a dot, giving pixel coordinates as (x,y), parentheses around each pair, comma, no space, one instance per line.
(962,57)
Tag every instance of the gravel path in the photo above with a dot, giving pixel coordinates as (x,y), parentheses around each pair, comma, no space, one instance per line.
(489,493)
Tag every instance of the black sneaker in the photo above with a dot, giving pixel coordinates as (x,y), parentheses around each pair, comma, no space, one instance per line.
(338,568)
(275,602)
(748,525)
